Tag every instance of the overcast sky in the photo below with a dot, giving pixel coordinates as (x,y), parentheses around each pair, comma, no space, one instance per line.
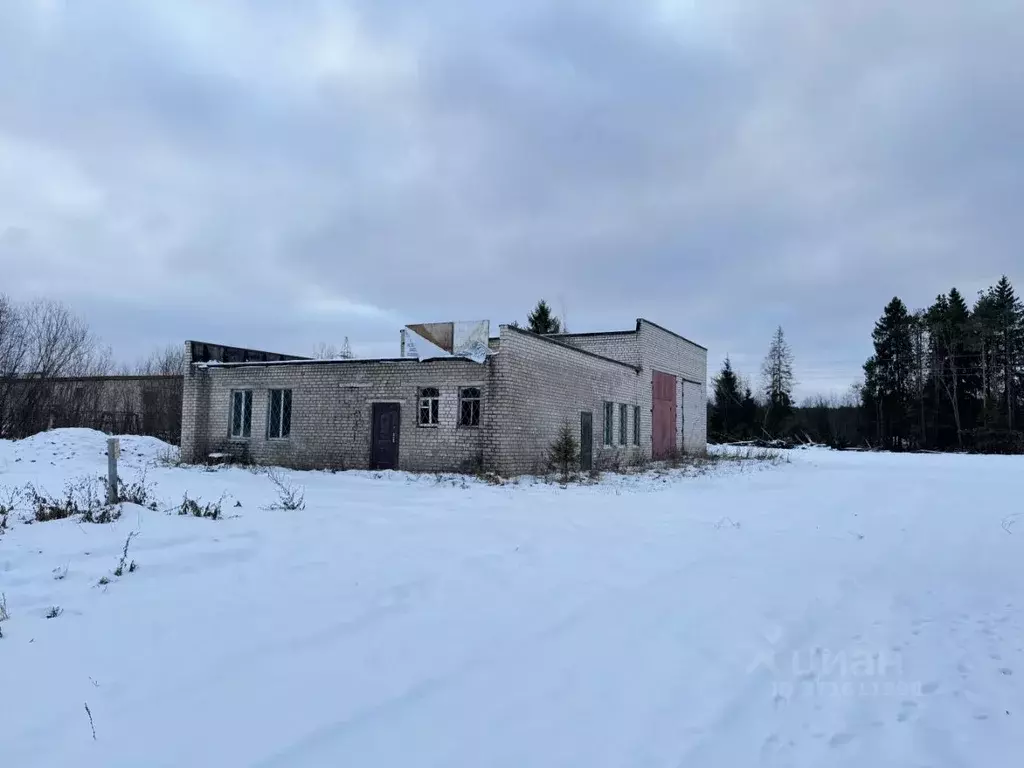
(276,174)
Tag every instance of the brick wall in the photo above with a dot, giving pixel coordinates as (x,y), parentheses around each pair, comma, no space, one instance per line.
(528,389)
(664,351)
(539,384)
(331,412)
(618,345)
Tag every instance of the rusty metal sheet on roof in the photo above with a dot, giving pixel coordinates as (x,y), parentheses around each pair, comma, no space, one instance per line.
(427,341)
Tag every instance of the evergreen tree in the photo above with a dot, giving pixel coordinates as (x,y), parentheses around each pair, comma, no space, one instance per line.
(542,320)
(748,426)
(952,362)
(777,377)
(725,412)
(889,375)
(1008,327)
(565,451)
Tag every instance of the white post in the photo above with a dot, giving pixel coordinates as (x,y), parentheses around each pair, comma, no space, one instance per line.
(113,452)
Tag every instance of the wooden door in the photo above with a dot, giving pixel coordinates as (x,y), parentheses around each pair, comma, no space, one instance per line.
(663,415)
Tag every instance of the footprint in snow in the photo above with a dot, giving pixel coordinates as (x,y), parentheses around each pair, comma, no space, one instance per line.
(931,687)
(1006,671)
(840,739)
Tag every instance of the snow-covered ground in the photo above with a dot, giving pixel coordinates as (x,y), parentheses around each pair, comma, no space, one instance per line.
(840,610)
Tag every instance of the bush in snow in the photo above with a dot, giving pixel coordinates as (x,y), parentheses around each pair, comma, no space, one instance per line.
(289,495)
(80,496)
(123,562)
(9,499)
(108,513)
(169,457)
(139,492)
(195,508)
(565,451)
(54,612)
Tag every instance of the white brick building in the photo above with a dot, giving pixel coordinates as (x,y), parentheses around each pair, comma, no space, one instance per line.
(640,393)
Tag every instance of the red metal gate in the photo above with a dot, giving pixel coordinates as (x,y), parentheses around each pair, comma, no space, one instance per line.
(663,415)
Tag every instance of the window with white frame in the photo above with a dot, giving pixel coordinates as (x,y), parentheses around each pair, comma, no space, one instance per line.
(241,413)
(430,406)
(609,428)
(623,420)
(279,414)
(469,407)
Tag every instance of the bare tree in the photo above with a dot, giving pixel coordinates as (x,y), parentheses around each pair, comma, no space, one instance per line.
(166,361)
(40,342)
(13,352)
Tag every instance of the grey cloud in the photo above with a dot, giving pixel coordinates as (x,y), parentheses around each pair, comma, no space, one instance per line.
(719,167)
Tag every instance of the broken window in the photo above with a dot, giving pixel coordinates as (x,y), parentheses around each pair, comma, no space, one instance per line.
(636,425)
(609,430)
(241,413)
(430,402)
(279,413)
(469,407)
(623,418)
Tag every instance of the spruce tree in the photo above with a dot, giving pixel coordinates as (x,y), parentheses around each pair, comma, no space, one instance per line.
(777,377)
(749,421)
(948,324)
(542,320)
(1008,316)
(888,375)
(565,451)
(725,411)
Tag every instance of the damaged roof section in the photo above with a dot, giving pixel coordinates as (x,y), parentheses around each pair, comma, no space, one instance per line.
(425,341)
(203,352)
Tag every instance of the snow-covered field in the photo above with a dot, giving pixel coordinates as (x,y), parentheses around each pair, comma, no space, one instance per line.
(838,610)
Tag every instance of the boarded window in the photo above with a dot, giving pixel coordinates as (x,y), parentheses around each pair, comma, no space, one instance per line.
(623,418)
(469,407)
(279,413)
(609,428)
(636,425)
(241,413)
(430,406)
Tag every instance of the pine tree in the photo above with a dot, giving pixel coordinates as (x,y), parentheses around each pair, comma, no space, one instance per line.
(542,320)
(725,411)
(777,377)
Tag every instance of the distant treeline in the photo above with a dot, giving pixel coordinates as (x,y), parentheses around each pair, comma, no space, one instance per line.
(948,377)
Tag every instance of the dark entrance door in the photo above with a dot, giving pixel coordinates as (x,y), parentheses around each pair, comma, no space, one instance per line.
(663,415)
(387,418)
(586,440)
